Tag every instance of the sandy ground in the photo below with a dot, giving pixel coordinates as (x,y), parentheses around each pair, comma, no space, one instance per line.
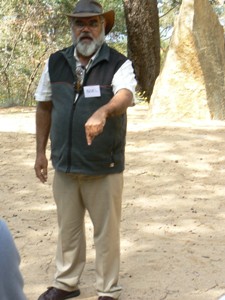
(172,229)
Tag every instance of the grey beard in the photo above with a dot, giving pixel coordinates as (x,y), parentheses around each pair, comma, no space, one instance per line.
(89,49)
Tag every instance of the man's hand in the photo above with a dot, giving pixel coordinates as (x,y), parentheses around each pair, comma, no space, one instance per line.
(41,168)
(95,124)
(116,106)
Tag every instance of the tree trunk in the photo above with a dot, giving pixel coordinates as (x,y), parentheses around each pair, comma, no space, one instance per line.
(143,42)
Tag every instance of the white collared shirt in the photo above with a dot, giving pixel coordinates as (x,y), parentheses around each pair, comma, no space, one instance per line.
(124,78)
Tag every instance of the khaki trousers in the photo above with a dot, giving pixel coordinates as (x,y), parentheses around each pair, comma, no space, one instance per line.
(101,196)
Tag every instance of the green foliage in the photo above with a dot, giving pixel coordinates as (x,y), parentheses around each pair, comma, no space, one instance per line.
(121,47)
(117,6)
(28,35)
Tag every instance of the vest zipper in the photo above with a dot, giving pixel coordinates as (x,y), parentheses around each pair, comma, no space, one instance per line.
(69,158)
(77,93)
(69,154)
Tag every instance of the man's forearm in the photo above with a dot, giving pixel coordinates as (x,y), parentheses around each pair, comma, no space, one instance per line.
(43,124)
(119,103)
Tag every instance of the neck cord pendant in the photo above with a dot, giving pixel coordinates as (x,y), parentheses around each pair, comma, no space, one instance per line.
(79,79)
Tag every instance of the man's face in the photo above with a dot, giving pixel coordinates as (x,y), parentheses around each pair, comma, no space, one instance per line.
(88,34)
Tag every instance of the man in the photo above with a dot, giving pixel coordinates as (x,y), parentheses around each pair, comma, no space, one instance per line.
(82,99)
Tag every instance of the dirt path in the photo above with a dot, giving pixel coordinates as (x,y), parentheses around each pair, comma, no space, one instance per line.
(172,230)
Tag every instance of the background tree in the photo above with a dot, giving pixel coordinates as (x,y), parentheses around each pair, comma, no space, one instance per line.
(143,42)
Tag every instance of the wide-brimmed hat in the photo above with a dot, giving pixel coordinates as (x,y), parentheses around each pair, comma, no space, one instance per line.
(90,8)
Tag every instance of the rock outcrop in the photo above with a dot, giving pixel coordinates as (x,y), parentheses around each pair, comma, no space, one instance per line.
(192,81)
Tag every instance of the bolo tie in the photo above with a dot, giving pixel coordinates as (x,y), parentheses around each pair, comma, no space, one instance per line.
(79,79)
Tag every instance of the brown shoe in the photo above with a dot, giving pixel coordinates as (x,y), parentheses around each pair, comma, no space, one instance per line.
(106,298)
(57,294)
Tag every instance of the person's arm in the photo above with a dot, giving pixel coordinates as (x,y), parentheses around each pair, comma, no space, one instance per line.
(11,280)
(116,106)
(123,85)
(43,124)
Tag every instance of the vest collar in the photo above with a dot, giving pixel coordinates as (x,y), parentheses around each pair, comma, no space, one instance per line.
(103,54)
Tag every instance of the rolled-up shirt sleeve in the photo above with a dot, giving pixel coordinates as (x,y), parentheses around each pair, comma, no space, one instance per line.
(124,78)
(43,91)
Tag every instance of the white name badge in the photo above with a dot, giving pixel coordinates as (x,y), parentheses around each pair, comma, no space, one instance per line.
(92,91)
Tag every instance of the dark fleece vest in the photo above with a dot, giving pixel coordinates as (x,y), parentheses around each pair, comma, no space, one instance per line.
(69,150)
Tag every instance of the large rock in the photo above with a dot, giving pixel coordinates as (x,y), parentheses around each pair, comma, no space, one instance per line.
(192,81)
